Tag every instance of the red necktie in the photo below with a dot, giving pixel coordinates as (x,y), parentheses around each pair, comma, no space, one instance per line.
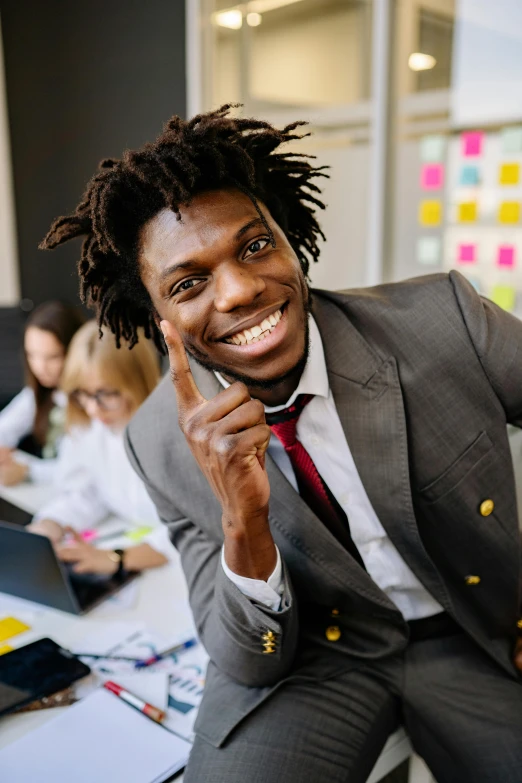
(311,486)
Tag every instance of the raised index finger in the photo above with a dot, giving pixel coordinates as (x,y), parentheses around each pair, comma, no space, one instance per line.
(187,393)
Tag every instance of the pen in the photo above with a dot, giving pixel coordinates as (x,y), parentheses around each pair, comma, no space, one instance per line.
(154,713)
(98,656)
(159,656)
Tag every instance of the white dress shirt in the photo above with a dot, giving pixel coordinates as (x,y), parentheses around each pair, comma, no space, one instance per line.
(98,480)
(320,431)
(16,421)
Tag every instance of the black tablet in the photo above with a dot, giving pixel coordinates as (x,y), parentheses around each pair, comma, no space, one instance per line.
(36,670)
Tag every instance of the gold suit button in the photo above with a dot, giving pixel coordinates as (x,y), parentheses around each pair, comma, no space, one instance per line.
(333,633)
(335,612)
(472,580)
(486,507)
(519,624)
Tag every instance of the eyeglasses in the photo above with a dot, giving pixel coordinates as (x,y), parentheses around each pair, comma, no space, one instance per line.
(106,400)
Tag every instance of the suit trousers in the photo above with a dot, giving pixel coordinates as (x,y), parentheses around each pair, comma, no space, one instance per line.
(462,711)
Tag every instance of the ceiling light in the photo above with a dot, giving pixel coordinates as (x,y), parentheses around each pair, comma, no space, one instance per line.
(421,62)
(254,19)
(262,6)
(233,18)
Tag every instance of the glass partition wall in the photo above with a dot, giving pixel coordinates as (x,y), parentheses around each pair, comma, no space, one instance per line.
(415,104)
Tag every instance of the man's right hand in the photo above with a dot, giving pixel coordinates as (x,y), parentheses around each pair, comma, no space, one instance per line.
(228,436)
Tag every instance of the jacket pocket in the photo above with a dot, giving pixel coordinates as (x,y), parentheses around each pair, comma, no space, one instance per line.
(459,469)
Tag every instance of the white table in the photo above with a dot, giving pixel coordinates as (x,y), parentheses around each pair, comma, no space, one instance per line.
(163,606)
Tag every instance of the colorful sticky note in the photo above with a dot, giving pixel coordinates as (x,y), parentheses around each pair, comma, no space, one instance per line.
(432,149)
(10,626)
(504,296)
(430,213)
(472,143)
(509,212)
(512,139)
(5,648)
(138,533)
(467,212)
(432,176)
(506,256)
(509,174)
(467,253)
(428,251)
(469,175)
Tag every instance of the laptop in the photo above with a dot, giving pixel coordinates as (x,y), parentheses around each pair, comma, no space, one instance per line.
(11,513)
(30,569)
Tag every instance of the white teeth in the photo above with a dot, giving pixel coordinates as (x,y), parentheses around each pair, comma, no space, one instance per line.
(256,333)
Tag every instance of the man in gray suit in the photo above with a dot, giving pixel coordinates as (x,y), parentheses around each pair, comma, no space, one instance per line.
(340,487)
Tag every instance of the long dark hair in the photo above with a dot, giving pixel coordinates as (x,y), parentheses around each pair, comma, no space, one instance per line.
(62,321)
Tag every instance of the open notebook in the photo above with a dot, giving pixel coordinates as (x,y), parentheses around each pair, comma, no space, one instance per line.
(99,739)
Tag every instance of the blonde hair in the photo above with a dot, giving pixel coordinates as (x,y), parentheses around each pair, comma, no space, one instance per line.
(134,373)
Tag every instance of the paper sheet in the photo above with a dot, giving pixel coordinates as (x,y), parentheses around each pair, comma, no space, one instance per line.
(430,213)
(99,739)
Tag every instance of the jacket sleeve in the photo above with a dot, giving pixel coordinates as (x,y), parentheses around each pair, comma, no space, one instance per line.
(234,629)
(497,338)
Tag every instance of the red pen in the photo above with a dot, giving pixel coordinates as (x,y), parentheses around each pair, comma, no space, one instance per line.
(154,713)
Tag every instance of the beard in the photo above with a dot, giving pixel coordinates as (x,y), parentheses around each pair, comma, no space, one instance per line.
(255,383)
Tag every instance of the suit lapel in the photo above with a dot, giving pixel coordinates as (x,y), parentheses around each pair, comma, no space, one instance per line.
(368,397)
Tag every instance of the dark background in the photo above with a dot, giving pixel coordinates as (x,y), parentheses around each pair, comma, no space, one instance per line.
(85,79)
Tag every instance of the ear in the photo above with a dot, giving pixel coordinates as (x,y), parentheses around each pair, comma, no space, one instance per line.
(157,319)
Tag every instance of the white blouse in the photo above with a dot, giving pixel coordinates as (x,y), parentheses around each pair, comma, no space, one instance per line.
(98,481)
(16,421)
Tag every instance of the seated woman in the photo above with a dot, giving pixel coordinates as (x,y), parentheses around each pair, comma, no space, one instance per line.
(105,386)
(34,420)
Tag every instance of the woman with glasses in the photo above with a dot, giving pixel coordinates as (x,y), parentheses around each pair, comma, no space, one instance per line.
(34,420)
(105,386)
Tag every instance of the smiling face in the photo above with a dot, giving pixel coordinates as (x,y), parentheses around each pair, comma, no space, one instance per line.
(239,303)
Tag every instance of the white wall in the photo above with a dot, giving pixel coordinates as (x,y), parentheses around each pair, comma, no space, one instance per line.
(9,282)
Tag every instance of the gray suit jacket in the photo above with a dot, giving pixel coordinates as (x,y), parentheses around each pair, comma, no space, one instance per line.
(425,374)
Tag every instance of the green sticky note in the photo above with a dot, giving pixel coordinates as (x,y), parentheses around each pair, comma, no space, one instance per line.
(432,149)
(504,296)
(511,139)
(428,251)
(138,533)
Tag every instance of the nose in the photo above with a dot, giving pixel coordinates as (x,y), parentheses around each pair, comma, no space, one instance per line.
(91,407)
(236,285)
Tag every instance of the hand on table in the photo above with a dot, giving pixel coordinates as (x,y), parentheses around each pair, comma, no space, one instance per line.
(86,558)
(49,528)
(11,471)
(517,656)
(228,437)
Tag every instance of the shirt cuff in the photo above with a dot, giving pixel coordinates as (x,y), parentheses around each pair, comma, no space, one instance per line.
(268,593)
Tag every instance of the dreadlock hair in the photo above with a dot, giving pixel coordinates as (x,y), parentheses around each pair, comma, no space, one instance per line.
(212,150)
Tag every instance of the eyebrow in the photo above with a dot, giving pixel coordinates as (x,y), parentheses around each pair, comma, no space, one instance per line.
(190,263)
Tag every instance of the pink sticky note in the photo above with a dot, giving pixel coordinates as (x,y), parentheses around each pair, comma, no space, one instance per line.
(432,176)
(89,535)
(506,256)
(467,253)
(472,144)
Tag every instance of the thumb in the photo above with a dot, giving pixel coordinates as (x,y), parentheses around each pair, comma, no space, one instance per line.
(70,531)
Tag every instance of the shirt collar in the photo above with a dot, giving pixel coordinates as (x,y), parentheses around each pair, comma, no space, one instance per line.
(314,379)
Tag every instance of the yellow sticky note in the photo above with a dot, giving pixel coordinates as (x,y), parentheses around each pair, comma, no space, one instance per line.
(504,296)
(138,533)
(467,212)
(509,174)
(509,212)
(430,213)
(10,626)
(5,648)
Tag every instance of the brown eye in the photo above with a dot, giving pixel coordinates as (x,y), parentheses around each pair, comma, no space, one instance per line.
(256,246)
